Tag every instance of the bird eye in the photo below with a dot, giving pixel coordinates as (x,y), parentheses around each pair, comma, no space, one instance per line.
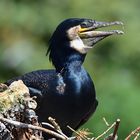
(87,24)
(83,25)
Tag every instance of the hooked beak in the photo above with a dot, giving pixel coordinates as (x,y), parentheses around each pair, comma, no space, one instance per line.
(91,36)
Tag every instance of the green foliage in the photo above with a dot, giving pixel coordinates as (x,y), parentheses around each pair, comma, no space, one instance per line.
(26,26)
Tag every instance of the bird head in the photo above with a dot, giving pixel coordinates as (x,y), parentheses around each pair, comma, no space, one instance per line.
(76,36)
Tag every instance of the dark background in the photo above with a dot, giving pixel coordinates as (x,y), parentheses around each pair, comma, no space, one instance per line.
(114,64)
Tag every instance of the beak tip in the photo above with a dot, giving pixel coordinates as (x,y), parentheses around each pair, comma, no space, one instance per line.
(118,23)
(119,32)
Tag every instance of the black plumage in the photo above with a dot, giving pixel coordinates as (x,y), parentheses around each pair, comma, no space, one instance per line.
(67,93)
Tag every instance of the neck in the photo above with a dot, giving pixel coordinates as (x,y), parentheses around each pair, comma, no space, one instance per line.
(73,62)
(63,55)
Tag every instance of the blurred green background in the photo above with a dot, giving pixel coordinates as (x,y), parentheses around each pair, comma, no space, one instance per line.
(114,64)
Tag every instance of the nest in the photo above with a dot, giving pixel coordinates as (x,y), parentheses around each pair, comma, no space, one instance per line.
(17,111)
(18,119)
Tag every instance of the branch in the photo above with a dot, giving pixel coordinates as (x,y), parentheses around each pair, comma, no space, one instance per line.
(133,133)
(107,124)
(83,137)
(56,126)
(29,126)
(116,129)
(116,124)
(138,134)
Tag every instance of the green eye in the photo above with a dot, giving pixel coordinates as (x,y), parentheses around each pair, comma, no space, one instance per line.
(84,24)
(87,24)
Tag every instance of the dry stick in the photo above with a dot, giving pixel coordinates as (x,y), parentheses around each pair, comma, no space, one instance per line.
(48,125)
(29,126)
(51,126)
(116,124)
(137,136)
(105,131)
(56,127)
(133,133)
(116,128)
(84,138)
(107,124)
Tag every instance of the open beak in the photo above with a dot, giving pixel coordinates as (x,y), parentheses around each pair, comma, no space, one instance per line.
(91,36)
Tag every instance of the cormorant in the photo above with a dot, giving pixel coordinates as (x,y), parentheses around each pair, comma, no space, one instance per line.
(67,93)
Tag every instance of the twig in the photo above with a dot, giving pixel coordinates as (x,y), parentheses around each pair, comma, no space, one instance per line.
(106,131)
(83,137)
(116,128)
(56,127)
(107,124)
(138,134)
(47,124)
(29,126)
(133,133)
(116,124)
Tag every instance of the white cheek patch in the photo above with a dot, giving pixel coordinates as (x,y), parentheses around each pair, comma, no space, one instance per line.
(78,45)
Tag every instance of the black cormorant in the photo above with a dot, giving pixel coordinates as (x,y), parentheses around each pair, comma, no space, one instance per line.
(67,93)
